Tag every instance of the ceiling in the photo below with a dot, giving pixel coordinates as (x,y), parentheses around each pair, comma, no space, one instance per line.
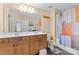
(59,6)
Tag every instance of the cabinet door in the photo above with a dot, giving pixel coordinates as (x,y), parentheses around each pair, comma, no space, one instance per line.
(19,46)
(34,45)
(18,49)
(11,49)
(15,45)
(43,42)
(26,45)
(3,46)
(4,50)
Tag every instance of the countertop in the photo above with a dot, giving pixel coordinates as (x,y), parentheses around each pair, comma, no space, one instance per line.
(18,34)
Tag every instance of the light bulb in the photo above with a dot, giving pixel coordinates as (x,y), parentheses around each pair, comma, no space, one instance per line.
(32,10)
(29,9)
(21,6)
(25,8)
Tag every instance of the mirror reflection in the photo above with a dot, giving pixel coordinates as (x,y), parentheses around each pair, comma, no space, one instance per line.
(23,22)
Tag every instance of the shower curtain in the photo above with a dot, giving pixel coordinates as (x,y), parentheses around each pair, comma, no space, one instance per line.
(69,24)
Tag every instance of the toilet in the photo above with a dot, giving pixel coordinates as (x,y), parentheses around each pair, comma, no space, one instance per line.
(43,52)
(50,45)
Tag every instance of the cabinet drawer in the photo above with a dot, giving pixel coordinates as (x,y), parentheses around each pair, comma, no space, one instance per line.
(14,40)
(35,37)
(41,36)
(44,36)
(25,38)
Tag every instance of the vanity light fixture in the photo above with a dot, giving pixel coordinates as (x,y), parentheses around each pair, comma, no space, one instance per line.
(21,6)
(26,8)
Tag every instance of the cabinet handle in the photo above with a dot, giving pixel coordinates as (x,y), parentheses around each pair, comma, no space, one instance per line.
(2,41)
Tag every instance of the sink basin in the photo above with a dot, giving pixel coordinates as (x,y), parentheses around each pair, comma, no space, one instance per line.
(29,33)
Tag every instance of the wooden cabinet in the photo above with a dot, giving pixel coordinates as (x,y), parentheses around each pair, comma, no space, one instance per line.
(22,45)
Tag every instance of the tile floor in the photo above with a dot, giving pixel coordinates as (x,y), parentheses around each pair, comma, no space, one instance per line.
(49,52)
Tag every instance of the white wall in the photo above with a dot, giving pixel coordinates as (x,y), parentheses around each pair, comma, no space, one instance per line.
(6,19)
(52,24)
(1,17)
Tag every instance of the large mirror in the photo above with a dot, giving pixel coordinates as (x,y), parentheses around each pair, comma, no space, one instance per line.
(19,21)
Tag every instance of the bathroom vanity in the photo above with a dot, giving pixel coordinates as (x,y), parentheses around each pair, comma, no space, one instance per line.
(24,36)
(23,43)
